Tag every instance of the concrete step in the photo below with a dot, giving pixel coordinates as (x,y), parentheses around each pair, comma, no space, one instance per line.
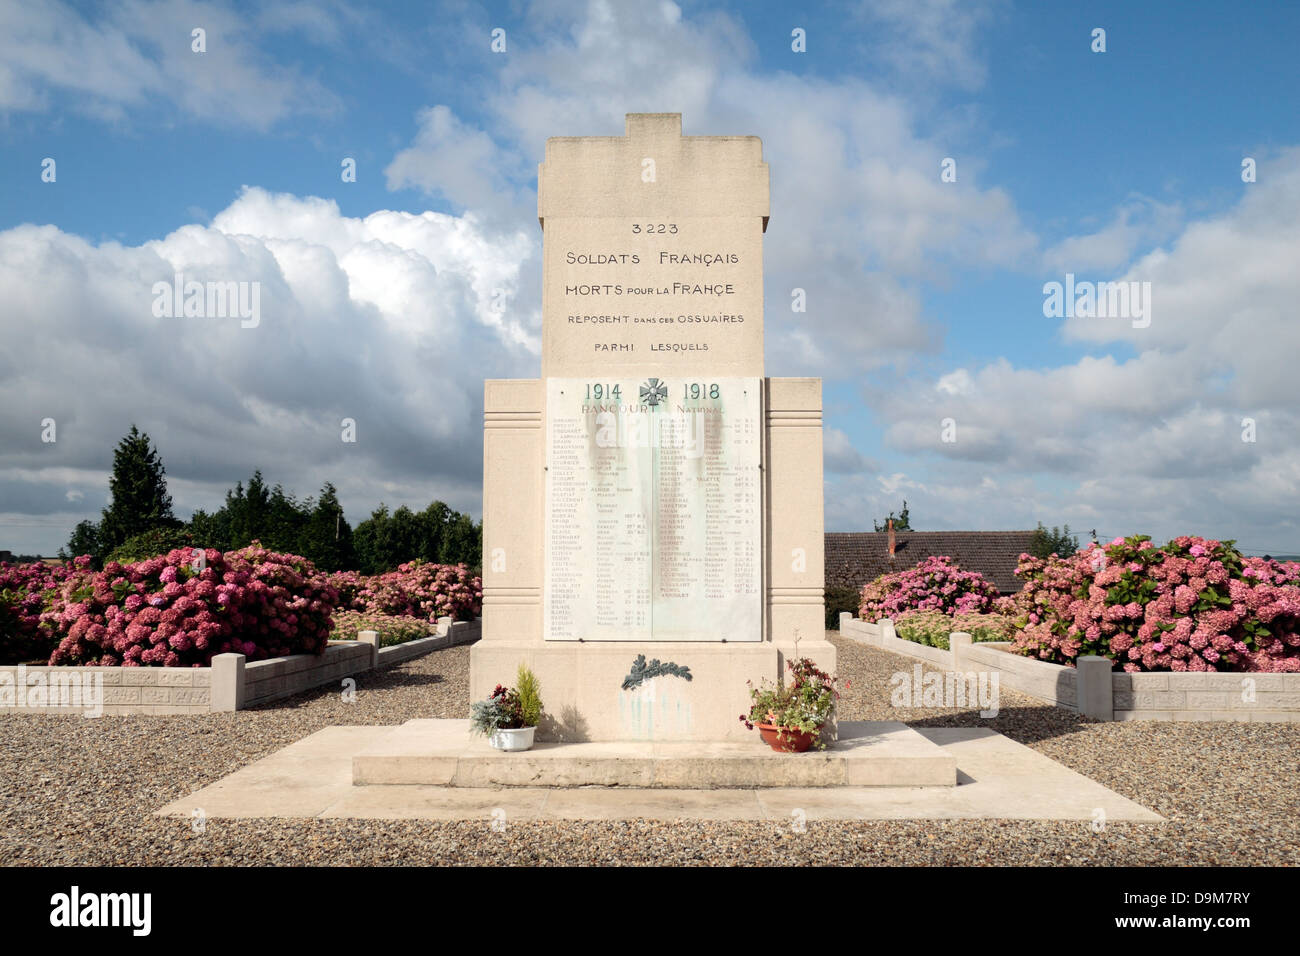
(442,753)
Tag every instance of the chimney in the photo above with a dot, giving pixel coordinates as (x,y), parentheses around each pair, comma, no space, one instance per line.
(892,541)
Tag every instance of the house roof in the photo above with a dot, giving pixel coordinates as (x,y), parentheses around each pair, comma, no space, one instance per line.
(854,558)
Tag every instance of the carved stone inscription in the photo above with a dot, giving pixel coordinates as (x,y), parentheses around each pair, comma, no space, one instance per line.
(629,296)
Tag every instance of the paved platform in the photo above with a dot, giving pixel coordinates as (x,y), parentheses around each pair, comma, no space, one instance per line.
(443,753)
(997,778)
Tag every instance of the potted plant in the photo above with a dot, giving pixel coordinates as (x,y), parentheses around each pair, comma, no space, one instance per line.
(510,716)
(790,718)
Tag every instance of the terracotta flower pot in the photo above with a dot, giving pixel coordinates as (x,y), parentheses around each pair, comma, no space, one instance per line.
(786,739)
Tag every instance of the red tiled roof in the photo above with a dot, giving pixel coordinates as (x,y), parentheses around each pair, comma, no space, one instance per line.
(854,558)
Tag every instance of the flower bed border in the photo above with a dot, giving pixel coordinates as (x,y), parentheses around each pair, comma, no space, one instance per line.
(232,683)
(1096,691)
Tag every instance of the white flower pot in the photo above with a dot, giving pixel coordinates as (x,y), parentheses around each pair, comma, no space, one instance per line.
(520,738)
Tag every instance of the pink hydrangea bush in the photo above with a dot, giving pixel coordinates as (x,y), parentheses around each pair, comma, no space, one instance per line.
(416,589)
(1192,605)
(24,591)
(352,587)
(164,611)
(935,584)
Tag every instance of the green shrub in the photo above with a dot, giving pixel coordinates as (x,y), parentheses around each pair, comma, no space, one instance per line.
(151,544)
(392,628)
(933,627)
(841,599)
(530,696)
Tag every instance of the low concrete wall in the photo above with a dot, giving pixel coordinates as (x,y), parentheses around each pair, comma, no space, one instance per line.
(285,676)
(883,636)
(231,683)
(448,633)
(237,685)
(1050,683)
(1215,696)
(110,690)
(1093,689)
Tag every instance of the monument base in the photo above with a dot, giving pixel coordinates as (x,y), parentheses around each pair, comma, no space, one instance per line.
(582,685)
(441,753)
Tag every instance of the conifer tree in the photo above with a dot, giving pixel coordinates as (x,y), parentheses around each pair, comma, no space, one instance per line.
(138,489)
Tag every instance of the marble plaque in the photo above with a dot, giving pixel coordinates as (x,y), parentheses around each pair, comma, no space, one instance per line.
(654,509)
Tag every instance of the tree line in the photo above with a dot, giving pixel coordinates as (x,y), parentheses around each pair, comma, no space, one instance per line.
(139,522)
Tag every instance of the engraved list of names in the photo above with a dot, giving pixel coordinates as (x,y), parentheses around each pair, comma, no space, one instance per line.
(654,528)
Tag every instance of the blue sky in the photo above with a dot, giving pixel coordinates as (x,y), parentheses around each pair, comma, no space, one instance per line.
(925,298)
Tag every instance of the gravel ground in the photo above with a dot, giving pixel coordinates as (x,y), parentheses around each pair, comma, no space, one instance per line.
(78,791)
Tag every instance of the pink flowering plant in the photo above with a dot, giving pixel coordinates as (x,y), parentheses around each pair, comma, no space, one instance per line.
(935,584)
(175,611)
(806,704)
(416,589)
(1193,605)
(353,587)
(25,589)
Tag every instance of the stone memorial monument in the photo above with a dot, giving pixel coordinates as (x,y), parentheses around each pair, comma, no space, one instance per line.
(652,505)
